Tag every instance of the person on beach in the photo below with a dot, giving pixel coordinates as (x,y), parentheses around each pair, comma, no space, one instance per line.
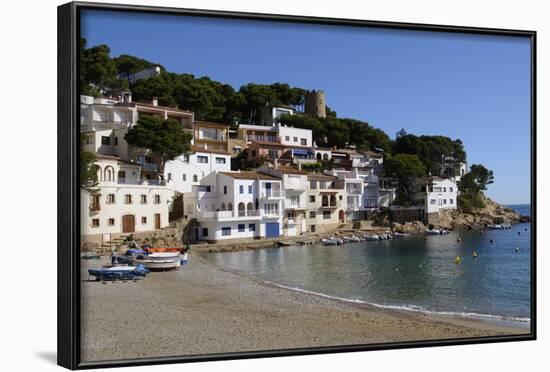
(184,257)
(113,257)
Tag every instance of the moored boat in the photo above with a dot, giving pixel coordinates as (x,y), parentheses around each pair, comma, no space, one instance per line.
(351,239)
(158,264)
(371,238)
(118,272)
(329,241)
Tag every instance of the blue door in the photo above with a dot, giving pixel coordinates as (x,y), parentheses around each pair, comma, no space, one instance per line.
(271,229)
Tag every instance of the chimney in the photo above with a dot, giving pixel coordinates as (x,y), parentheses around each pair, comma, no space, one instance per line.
(155,101)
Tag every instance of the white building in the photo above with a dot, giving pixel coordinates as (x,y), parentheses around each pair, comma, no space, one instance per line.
(188,170)
(326,205)
(298,137)
(124,202)
(294,184)
(440,193)
(236,205)
(145,74)
(269,115)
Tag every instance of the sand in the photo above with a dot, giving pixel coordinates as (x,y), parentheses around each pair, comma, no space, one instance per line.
(202,309)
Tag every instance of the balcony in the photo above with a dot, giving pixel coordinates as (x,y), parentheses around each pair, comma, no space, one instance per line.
(258,138)
(229,215)
(140,181)
(371,203)
(271,194)
(151,167)
(95,207)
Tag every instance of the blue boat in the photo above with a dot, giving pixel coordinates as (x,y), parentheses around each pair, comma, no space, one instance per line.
(122,272)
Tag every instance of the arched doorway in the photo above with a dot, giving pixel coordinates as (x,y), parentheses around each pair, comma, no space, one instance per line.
(342,216)
(241,209)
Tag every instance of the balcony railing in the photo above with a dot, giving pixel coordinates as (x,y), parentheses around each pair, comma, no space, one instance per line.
(141,181)
(95,207)
(251,213)
(271,194)
(371,203)
(221,215)
(258,138)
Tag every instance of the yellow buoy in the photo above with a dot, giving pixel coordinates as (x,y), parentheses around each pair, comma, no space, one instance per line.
(474,255)
(458,259)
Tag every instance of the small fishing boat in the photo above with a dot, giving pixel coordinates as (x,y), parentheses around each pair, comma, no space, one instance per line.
(118,272)
(371,238)
(329,241)
(159,265)
(163,249)
(400,235)
(433,232)
(503,226)
(163,256)
(351,239)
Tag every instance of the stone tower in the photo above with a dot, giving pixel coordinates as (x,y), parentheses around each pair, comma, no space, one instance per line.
(315,103)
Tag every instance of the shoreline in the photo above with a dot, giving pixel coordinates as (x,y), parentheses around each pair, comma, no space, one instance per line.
(203,309)
(485,321)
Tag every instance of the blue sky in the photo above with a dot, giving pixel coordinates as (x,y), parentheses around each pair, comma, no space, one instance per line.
(472,87)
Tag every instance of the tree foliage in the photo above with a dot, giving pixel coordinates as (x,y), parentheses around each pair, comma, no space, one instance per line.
(88,171)
(98,72)
(163,137)
(435,152)
(128,65)
(476,180)
(410,174)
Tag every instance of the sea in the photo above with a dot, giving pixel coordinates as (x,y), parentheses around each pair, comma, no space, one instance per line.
(414,273)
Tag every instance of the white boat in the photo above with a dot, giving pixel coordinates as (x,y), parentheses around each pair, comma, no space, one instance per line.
(329,241)
(174,256)
(159,265)
(400,235)
(503,226)
(351,239)
(371,238)
(433,232)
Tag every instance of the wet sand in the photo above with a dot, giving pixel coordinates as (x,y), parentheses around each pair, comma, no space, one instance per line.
(202,309)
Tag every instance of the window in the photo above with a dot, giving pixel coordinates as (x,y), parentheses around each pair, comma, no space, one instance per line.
(287,138)
(340,197)
(225,189)
(253,153)
(202,159)
(204,231)
(111,199)
(252,227)
(295,139)
(450,189)
(444,201)
(95,222)
(241,227)
(157,199)
(250,189)
(322,185)
(195,178)
(116,141)
(451,201)
(105,140)
(184,177)
(312,214)
(220,160)
(312,228)
(169,177)
(326,215)
(241,189)
(313,185)
(272,154)
(143,220)
(303,141)
(312,198)
(127,199)
(208,188)
(294,200)
(444,189)
(186,158)
(111,222)
(271,208)
(432,201)
(226,231)
(143,199)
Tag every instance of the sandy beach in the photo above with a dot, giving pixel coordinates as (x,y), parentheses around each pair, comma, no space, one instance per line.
(202,309)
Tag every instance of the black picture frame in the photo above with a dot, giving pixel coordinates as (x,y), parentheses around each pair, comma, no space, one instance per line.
(68,320)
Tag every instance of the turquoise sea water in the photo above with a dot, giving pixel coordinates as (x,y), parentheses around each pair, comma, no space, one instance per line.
(411,273)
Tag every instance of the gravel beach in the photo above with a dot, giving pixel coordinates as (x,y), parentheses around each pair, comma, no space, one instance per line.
(202,309)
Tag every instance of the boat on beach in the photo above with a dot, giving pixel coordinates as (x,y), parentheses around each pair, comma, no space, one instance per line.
(159,264)
(118,272)
(351,239)
(326,241)
(371,238)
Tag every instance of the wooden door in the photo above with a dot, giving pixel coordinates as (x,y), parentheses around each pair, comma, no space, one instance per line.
(128,223)
(157,221)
